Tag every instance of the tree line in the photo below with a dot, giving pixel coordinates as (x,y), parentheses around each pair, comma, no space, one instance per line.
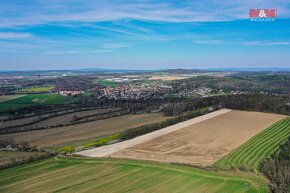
(277,169)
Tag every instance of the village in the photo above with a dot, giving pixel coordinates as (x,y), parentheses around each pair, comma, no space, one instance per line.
(132,92)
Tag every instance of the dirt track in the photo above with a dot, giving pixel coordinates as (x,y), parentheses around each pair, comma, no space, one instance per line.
(199,143)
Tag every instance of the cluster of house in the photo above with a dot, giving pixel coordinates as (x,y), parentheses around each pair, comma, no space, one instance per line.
(198,92)
(132,92)
(205,92)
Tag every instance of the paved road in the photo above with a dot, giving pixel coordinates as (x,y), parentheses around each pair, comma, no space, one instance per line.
(113,148)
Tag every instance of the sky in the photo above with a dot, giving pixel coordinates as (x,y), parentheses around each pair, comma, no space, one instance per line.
(143,34)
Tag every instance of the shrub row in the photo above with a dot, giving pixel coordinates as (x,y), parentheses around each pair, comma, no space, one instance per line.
(22,160)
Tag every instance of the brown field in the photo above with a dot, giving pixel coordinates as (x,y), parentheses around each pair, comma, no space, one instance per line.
(61,119)
(31,118)
(79,133)
(18,122)
(106,150)
(9,97)
(202,143)
(167,78)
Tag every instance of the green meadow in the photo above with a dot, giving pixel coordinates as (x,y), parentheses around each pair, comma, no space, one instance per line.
(37,89)
(31,99)
(61,174)
(109,83)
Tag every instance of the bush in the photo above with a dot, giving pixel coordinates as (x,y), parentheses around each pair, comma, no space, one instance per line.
(22,160)
(101,141)
(67,150)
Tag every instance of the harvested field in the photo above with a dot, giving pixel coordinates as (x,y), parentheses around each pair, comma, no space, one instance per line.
(64,117)
(113,175)
(67,118)
(9,97)
(29,119)
(110,149)
(202,143)
(74,134)
(18,122)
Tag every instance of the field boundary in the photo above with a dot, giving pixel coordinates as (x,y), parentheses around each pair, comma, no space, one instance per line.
(113,148)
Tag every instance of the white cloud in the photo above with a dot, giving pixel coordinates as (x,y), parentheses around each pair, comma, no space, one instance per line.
(257,43)
(208,42)
(12,35)
(53,53)
(100,51)
(241,42)
(117,45)
(42,11)
(75,52)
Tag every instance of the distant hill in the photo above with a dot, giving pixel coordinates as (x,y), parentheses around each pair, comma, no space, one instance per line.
(252,69)
(102,71)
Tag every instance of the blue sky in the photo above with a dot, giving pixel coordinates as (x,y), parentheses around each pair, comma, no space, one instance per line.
(144,34)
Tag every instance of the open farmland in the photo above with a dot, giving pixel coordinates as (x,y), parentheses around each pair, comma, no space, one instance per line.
(18,122)
(34,116)
(51,119)
(9,97)
(110,149)
(109,83)
(253,152)
(68,118)
(204,142)
(41,89)
(113,175)
(78,133)
(31,99)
